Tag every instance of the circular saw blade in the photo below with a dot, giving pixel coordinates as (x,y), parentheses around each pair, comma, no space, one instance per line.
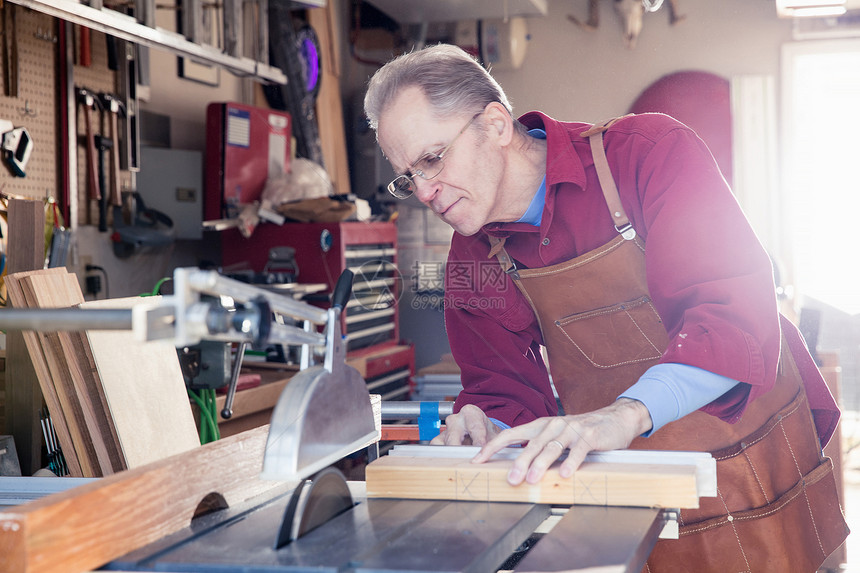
(313,503)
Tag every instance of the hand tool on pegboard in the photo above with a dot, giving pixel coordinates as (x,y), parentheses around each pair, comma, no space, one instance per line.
(10,50)
(6,67)
(112,52)
(16,146)
(126,85)
(85,52)
(89,101)
(103,145)
(114,108)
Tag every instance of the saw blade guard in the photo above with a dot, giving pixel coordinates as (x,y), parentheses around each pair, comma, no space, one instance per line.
(324,412)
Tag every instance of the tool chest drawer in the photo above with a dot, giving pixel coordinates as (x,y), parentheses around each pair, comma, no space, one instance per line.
(387,369)
(399,357)
(391,385)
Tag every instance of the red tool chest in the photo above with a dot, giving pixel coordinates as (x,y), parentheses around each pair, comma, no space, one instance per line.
(322,252)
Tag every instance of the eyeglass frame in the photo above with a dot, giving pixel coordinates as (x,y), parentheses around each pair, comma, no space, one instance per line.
(440,155)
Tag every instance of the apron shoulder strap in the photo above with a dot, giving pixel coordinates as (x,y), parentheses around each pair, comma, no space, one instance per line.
(497,249)
(607,185)
(604,175)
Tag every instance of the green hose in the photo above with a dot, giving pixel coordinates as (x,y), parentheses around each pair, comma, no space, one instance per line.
(205,401)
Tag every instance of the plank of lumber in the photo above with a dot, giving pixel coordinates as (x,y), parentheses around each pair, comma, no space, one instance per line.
(85,374)
(45,381)
(85,527)
(39,288)
(26,251)
(706,465)
(594,483)
(83,371)
(74,378)
(145,390)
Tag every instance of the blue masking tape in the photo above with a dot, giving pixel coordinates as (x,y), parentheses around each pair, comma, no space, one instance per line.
(428,421)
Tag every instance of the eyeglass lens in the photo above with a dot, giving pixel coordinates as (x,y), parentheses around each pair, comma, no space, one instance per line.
(401,187)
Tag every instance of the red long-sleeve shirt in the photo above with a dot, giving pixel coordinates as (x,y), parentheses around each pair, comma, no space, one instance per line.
(709,277)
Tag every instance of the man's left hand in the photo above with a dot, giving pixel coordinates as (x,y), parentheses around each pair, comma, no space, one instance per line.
(609,428)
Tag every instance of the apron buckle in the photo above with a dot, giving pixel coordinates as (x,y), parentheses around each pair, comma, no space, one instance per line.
(512,269)
(627,231)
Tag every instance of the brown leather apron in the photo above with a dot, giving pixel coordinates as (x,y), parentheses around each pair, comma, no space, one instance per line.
(777,508)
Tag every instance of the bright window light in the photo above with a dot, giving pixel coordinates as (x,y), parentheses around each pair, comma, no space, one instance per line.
(821,169)
(809,8)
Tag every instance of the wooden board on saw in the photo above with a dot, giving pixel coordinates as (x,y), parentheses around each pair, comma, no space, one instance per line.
(594,483)
(145,391)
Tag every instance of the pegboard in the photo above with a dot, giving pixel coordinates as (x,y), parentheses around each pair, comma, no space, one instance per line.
(97,77)
(37,105)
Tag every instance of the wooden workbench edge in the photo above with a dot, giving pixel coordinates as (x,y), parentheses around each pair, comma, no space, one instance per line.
(85,527)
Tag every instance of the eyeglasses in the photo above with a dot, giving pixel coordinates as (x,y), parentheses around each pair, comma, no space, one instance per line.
(426,167)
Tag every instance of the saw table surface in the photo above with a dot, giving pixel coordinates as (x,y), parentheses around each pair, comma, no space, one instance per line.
(388,535)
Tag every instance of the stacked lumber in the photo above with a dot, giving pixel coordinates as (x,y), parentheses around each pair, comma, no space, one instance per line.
(84,405)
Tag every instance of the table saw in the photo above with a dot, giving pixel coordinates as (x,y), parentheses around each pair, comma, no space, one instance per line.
(212,509)
(388,535)
(142,520)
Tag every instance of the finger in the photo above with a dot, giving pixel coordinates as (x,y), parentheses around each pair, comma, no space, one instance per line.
(575,456)
(547,456)
(459,434)
(476,427)
(501,440)
(453,433)
(544,447)
(454,437)
(537,456)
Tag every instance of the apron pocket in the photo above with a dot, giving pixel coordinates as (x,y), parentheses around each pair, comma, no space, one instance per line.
(794,533)
(616,335)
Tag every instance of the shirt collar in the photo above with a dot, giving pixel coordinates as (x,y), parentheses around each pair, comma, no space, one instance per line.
(563,165)
(533,214)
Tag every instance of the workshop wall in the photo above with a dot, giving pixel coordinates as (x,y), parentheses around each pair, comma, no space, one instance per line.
(577,74)
(183,102)
(93,74)
(35,107)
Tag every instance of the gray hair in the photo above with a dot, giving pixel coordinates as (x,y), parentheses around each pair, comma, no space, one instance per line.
(453,81)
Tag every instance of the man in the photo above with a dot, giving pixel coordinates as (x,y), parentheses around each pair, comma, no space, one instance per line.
(619,248)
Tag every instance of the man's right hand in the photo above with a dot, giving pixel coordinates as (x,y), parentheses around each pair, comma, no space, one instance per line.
(468,426)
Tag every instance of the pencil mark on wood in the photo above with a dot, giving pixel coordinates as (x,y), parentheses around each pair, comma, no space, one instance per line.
(591,491)
(470,487)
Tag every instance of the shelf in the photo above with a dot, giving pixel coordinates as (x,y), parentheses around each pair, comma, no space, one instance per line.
(127,28)
(416,11)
